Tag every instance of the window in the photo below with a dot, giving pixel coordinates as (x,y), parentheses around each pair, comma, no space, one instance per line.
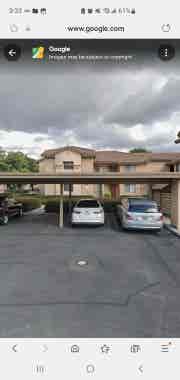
(88,203)
(67,187)
(130,168)
(143,207)
(130,188)
(68,165)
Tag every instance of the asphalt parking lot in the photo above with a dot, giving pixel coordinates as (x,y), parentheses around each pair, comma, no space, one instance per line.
(130,287)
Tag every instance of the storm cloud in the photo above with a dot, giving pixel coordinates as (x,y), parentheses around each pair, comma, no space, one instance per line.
(109,108)
(149,105)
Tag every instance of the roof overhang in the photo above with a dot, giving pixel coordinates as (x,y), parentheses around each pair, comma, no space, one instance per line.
(88,178)
(174,162)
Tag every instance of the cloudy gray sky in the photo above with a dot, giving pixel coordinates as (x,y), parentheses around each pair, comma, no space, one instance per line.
(103,108)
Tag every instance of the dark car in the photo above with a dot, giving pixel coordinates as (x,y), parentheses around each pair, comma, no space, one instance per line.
(9,208)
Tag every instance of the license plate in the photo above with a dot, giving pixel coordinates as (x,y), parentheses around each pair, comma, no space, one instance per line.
(140,218)
(148,219)
(145,218)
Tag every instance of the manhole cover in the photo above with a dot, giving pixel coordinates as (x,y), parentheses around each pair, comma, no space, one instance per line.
(82,263)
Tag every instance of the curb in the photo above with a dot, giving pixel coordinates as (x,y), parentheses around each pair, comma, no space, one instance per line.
(172,229)
(37,211)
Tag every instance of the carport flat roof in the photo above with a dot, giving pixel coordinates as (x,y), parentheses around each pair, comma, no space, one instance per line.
(89,178)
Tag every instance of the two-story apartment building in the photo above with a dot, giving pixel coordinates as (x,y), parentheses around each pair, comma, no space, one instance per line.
(82,160)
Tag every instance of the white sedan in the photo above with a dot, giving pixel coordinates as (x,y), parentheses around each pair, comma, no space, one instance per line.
(88,211)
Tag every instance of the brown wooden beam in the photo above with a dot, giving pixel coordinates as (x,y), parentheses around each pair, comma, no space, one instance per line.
(105,178)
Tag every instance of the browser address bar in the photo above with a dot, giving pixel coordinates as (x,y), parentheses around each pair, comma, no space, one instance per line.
(135,19)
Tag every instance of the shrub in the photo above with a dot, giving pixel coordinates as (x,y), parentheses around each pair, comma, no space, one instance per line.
(107,195)
(53,205)
(29,203)
(110,206)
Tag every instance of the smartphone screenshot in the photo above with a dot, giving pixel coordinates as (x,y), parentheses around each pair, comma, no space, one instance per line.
(89,190)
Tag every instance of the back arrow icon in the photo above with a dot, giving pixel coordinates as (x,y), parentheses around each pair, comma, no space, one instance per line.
(12,52)
(14,348)
(141,368)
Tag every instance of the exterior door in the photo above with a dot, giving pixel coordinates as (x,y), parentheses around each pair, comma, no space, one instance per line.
(114,191)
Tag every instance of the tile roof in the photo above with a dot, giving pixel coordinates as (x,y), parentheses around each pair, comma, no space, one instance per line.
(112,156)
(50,153)
(174,162)
(133,158)
(107,156)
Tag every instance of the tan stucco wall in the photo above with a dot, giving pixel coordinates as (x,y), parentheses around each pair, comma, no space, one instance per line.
(67,155)
(49,189)
(175,204)
(143,189)
(87,165)
(56,165)
(47,166)
(152,167)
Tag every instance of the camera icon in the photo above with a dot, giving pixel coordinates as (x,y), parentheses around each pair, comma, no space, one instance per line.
(75,348)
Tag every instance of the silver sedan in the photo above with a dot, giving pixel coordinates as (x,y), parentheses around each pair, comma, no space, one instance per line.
(140,214)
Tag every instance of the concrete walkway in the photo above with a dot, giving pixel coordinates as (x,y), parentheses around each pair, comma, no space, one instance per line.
(171,227)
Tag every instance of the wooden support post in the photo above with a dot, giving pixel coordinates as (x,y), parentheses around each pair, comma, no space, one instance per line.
(175,204)
(61,212)
(150,192)
(70,200)
(101,191)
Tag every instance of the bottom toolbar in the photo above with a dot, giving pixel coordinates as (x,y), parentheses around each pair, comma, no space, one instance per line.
(89,358)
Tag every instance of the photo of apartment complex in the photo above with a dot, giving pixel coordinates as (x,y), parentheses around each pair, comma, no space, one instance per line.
(75,159)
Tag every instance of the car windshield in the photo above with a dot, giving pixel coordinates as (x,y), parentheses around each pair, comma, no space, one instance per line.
(143,207)
(88,204)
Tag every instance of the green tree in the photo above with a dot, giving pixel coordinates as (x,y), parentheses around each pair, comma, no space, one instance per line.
(17,161)
(3,163)
(139,150)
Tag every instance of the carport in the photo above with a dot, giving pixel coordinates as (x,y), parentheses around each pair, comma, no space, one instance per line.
(169,178)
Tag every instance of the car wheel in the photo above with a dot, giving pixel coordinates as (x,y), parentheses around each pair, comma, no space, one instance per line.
(124,228)
(5,220)
(158,231)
